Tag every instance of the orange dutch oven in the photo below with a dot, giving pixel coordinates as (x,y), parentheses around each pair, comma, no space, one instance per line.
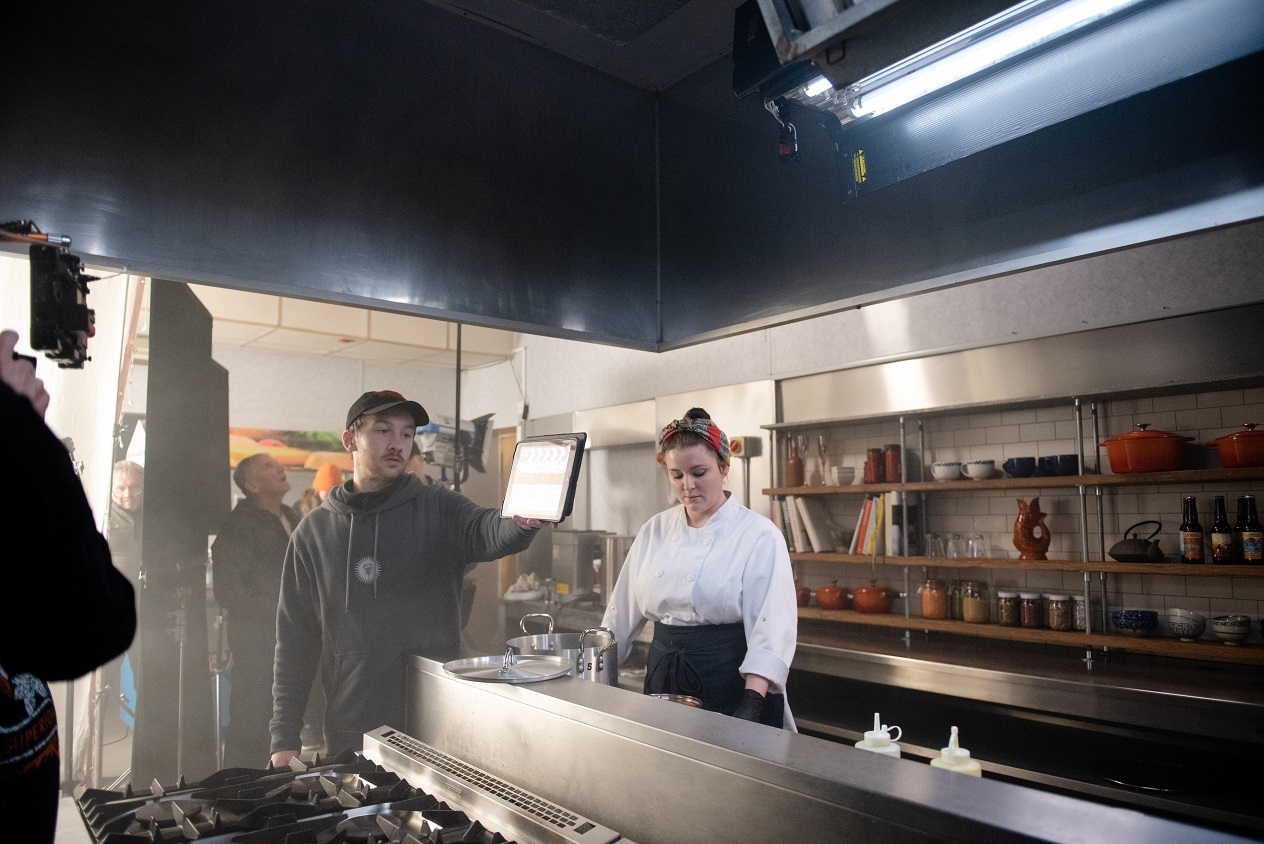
(1241,448)
(1144,450)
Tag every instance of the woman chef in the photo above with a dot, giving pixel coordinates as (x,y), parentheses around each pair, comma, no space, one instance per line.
(715,579)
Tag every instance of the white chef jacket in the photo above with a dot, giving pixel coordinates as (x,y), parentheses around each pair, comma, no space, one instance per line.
(733,568)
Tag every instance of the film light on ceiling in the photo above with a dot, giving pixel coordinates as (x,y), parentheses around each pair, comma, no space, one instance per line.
(994,40)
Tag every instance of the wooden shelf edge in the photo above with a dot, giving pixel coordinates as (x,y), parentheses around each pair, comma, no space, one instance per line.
(1244,654)
(1184,476)
(1176,569)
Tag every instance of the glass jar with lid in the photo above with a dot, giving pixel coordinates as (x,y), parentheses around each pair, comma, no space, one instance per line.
(934,599)
(1031,610)
(1061,612)
(1007,609)
(1080,613)
(954,600)
(976,608)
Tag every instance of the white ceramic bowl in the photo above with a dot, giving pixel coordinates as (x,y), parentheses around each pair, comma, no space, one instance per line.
(1231,629)
(1185,625)
(946,471)
(979,469)
(842,475)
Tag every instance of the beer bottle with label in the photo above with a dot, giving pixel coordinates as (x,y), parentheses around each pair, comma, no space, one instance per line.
(1239,527)
(1252,535)
(1221,534)
(1191,533)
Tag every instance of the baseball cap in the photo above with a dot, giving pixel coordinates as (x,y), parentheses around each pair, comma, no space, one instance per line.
(376,401)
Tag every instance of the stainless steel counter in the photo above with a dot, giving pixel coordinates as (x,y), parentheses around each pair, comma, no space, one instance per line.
(1219,701)
(660,772)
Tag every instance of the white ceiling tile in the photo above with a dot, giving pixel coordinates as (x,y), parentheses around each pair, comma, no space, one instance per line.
(302,341)
(475,338)
(341,320)
(229,333)
(374,350)
(415,331)
(239,305)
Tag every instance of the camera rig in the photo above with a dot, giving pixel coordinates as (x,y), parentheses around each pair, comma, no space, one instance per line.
(61,321)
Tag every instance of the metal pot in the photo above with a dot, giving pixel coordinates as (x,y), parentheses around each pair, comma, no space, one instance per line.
(1132,549)
(592,656)
(598,656)
(547,644)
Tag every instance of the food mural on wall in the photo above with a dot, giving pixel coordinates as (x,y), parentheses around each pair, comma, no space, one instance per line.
(292,449)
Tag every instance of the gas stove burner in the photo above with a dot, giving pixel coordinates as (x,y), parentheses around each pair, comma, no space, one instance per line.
(361,829)
(348,799)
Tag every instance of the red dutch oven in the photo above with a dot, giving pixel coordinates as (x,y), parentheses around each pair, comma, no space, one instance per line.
(1144,450)
(1241,448)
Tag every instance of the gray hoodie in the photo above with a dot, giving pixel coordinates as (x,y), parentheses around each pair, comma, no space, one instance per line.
(369,578)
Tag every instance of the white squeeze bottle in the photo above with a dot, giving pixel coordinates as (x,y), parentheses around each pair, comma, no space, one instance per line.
(878,740)
(957,758)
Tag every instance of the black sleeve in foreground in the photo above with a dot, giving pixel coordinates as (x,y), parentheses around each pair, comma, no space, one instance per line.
(59,567)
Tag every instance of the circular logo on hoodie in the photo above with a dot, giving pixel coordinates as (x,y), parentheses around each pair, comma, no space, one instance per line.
(367,570)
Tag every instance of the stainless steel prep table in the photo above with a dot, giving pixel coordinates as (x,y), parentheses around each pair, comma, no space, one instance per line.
(657,771)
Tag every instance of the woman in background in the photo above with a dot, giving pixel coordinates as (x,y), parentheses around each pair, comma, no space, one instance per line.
(715,579)
(327,477)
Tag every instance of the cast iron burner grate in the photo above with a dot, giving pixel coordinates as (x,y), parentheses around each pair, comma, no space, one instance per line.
(343,800)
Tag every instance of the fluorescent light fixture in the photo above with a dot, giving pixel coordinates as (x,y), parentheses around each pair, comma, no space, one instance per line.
(983,45)
(819,85)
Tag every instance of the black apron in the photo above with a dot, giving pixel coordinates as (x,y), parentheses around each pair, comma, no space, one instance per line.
(703,661)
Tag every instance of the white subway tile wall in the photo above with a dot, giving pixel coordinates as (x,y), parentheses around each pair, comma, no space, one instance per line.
(1051,430)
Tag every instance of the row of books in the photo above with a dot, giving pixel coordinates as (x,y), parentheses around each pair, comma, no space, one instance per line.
(806,523)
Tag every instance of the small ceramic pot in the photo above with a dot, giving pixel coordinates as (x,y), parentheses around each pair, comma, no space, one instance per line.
(832,597)
(871,599)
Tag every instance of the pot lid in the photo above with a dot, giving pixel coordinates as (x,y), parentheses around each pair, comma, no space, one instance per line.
(1143,432)
(510,668)
(1248,432)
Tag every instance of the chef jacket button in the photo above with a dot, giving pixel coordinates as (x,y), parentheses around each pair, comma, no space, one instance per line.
(706,541)
(658,573)
(689,577)
(675,536)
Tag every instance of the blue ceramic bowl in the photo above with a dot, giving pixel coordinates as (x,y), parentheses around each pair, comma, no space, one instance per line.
(1135,622)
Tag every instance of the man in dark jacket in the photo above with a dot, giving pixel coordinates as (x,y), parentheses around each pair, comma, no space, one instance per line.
(247,557)
(56,567)
(373,575)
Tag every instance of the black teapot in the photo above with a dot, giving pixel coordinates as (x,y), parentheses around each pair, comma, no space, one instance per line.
(1133,549)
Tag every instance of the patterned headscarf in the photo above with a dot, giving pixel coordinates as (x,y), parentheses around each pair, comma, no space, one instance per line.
(704,428)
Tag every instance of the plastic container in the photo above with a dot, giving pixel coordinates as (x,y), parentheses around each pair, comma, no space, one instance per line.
(878,740)
(934,599)
(1031,610)
(1008,612)
(957,759)
(1061,612)
(975,606)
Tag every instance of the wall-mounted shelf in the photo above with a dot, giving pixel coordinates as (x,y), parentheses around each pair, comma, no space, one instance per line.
(1176,569)
(1243,654)
(1187,476)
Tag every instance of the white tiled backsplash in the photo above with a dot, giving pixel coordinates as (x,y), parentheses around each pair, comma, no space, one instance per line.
(1049,430)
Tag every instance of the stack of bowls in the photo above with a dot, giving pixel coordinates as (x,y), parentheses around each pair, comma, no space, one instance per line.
(1186,624)
(1135,622)
(1231,629)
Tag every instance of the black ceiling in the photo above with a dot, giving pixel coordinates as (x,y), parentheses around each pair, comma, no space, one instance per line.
(521,168)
